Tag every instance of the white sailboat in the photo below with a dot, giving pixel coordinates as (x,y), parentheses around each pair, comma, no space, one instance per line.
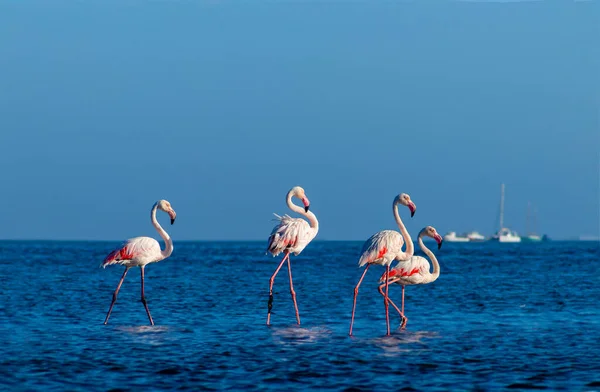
(505,234)
(531,234)
(474,236)
(451,236)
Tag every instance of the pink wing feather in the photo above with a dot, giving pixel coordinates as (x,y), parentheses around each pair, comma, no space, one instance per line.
(381,248)
(134,248)
(411,270)
(291,234)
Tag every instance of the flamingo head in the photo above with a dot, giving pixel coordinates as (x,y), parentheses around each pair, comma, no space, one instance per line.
(298,191)
(165,206)
(430,231)
(404,199)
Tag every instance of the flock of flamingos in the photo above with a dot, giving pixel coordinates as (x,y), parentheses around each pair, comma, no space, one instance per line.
(291,235)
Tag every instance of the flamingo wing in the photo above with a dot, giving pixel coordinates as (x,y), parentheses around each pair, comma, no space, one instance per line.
(381,248)
(291,234)
(144,249)
(411,271)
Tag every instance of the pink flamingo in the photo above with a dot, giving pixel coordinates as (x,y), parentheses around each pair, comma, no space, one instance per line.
(415,270)
(291,235)
(139,251)
(383,248)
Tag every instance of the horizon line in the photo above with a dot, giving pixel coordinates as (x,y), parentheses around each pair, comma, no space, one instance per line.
(566,239)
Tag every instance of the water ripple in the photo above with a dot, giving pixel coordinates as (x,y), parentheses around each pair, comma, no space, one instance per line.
(483,325)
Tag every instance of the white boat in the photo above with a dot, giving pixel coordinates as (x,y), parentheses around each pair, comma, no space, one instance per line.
(505,234)
(474,236)
(532,238)
(452,237)
(531,235)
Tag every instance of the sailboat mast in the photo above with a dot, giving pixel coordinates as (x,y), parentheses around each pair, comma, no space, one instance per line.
(502,207)
(527,226)
(535,231)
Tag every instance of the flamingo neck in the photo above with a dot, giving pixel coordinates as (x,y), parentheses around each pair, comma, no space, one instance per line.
(410,247)
(165,236)
(312,218)
(436,266)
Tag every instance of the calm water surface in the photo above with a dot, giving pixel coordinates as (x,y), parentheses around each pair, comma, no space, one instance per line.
(518,316)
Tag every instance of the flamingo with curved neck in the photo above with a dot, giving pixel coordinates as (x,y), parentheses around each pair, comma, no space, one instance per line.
(162,232)
(410,246)
(140,251)
(384,247)
(291,235)
(415,270)
(312,218)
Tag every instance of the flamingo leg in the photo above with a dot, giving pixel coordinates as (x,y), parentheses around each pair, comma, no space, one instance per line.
(289,263)
(144,298)
(404,318)
(271,281)
(402,298)
(114,297)
(391,302)
(386,300)
(355,294)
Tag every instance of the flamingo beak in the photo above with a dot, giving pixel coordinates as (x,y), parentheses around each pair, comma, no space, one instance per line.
(413,208)
(306,203)
(439,240)
(173,215)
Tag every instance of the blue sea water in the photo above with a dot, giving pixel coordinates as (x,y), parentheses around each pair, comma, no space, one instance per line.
(517,316)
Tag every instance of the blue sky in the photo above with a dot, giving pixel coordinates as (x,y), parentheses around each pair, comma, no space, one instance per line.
(221,107)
